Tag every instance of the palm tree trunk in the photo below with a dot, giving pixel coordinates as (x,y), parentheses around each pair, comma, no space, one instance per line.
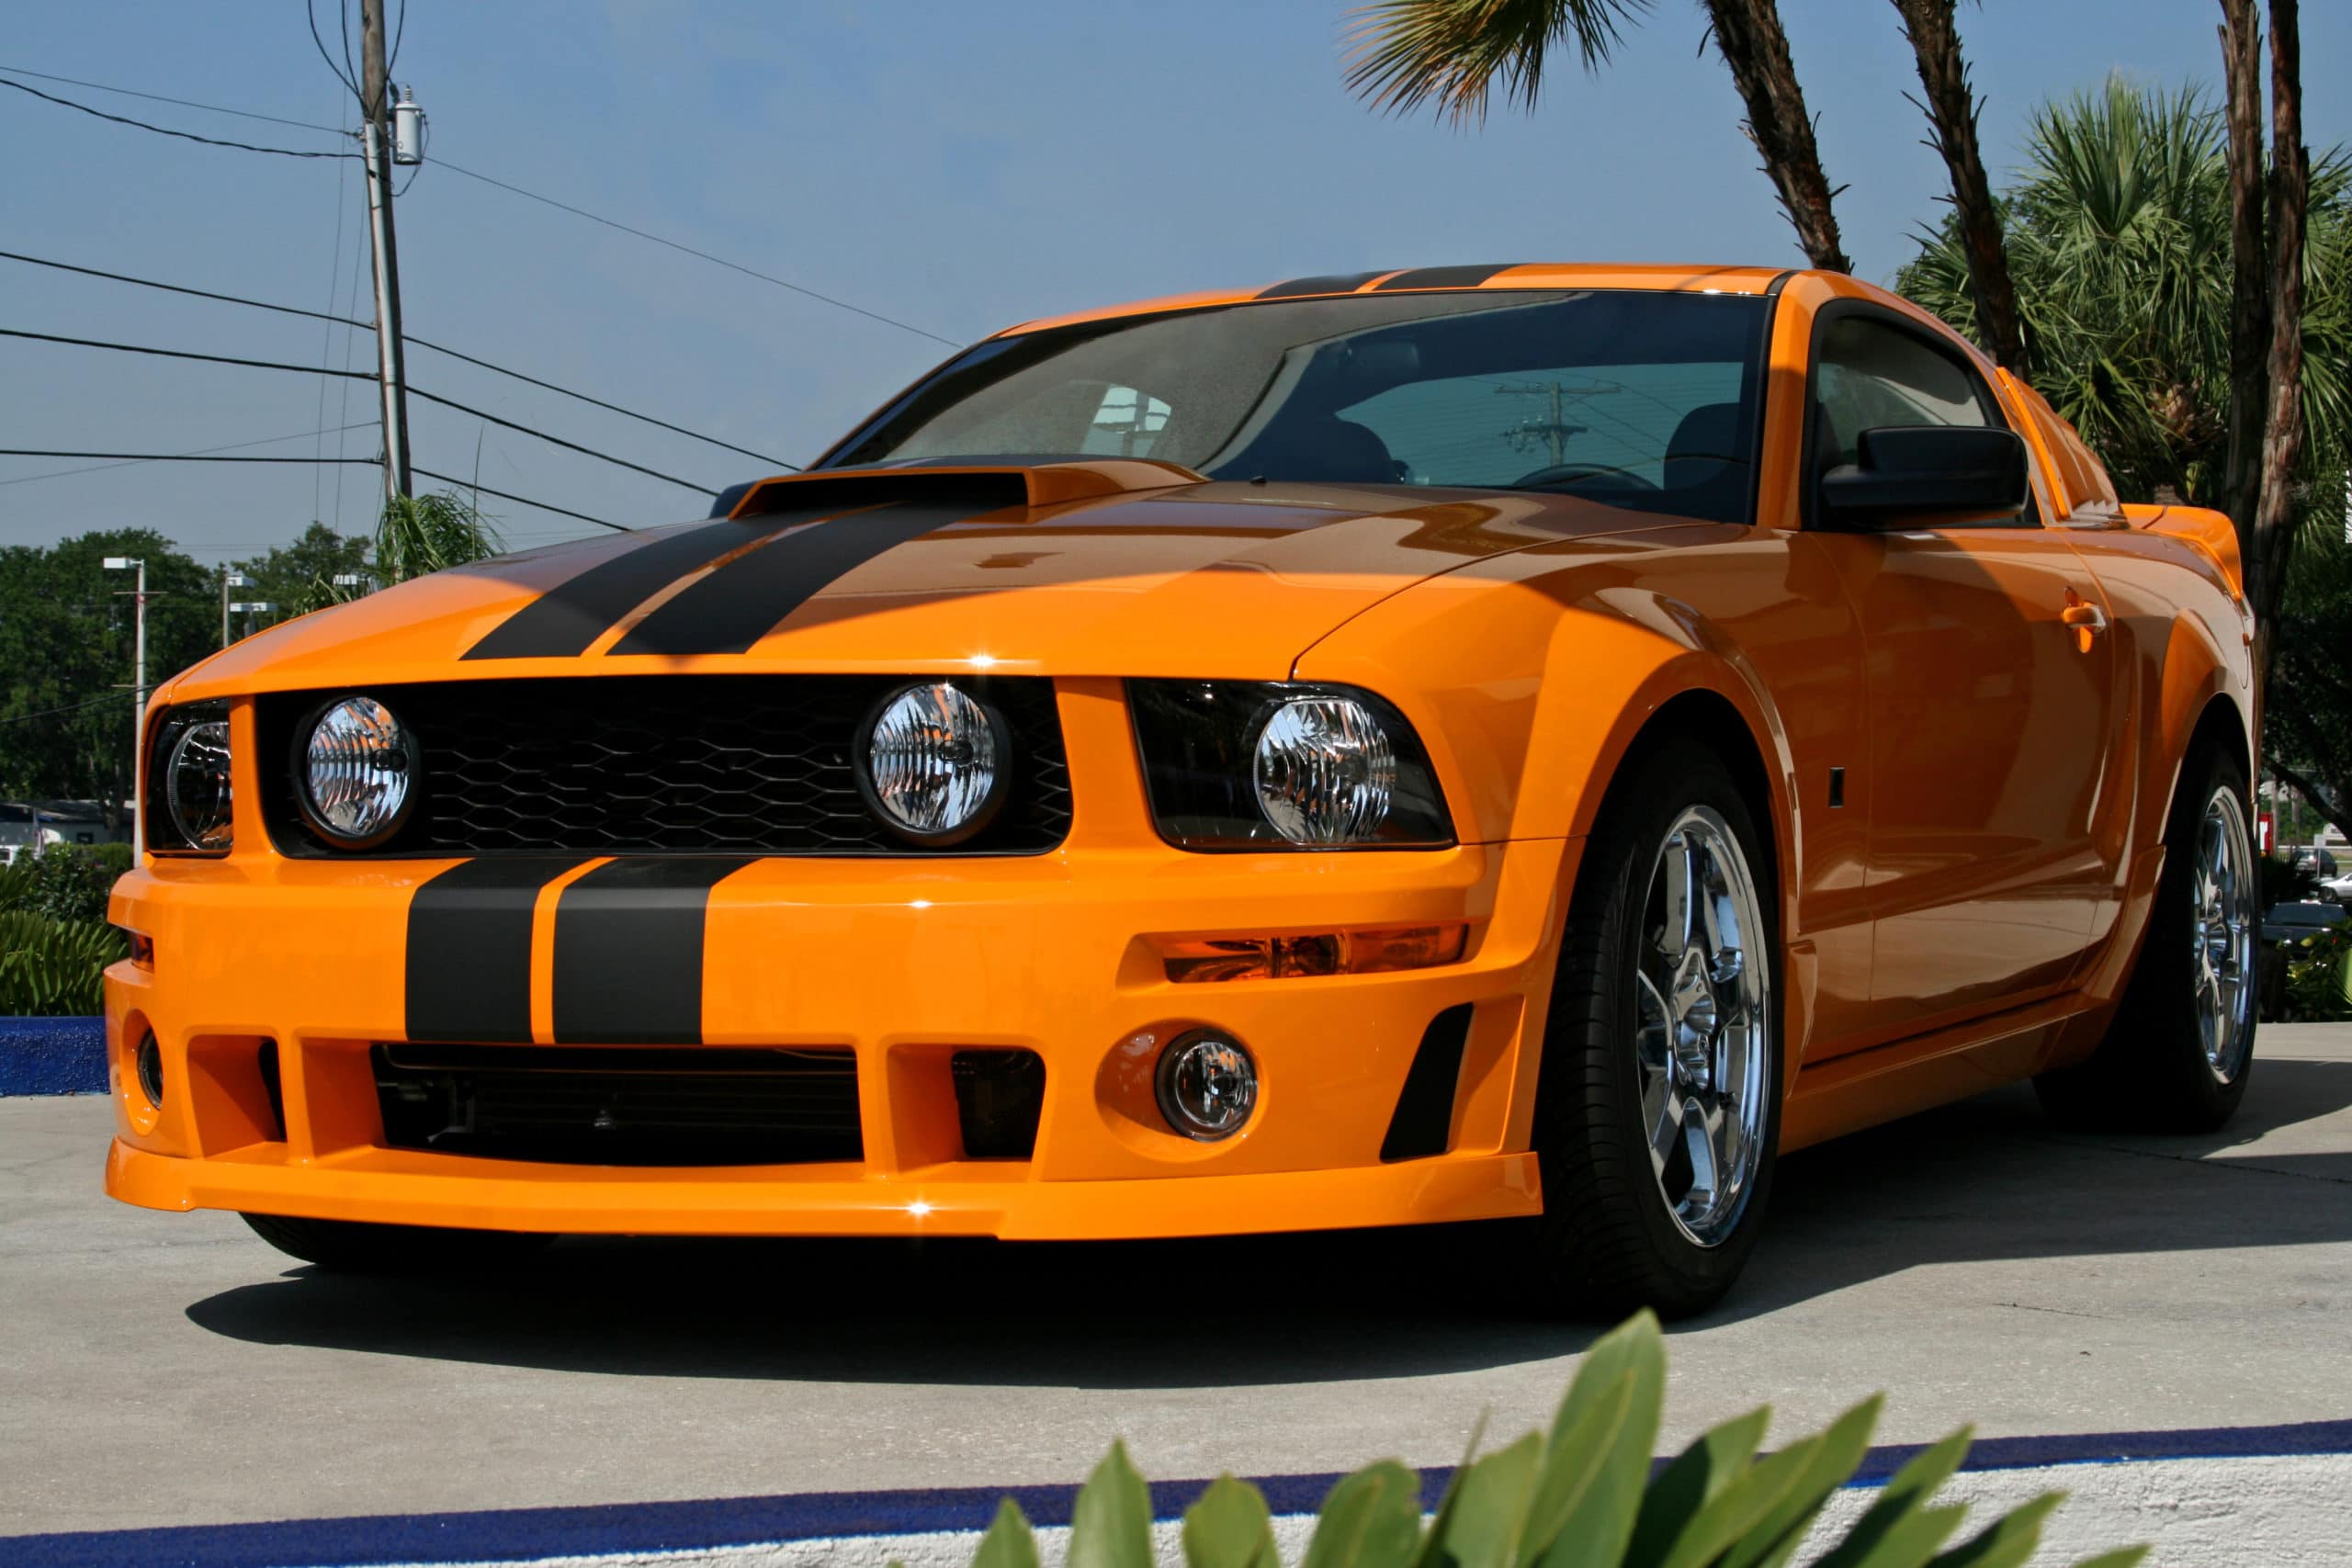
(2250,282)
(1748,36)
(2275,516)
(1951,109)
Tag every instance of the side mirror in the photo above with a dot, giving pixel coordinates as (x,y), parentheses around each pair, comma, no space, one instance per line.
(1907,473)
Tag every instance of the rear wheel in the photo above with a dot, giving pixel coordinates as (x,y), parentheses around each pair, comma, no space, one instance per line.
(352,1247)
(2177,1055)
(1658,1108)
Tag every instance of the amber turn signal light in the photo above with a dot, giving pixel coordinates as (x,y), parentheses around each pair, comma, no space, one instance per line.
(142,949)
(1194,959)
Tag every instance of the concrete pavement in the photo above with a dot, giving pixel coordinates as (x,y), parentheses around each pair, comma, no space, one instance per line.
(173,1369)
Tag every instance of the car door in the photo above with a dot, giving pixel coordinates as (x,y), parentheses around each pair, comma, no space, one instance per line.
(1989,688)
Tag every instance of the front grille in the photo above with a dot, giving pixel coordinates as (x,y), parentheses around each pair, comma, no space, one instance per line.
(688,1106)
(690,764)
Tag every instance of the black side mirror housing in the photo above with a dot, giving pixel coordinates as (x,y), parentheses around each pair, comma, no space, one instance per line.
(1945,473)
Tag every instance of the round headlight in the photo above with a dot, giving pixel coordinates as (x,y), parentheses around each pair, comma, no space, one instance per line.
(358,773)
(934,764)
(195,785)
(1325,771)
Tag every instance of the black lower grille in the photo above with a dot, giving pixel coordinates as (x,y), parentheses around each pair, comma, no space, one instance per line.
(694,1106)
(684,764)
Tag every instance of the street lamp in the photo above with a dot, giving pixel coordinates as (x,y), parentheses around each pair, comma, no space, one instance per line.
(137,698)
(360,581)
(230,580)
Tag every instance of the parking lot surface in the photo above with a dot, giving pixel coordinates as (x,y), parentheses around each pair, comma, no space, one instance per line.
(167,1370)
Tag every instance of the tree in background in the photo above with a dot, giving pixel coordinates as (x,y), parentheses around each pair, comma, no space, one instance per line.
(2119,240)
(1452,54)
(2308,741)
(66,655)
(300,577)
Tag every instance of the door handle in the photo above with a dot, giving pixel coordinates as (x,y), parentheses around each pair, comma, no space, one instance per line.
(2085,617)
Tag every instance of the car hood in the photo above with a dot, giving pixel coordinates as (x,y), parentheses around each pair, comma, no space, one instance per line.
(1103,569)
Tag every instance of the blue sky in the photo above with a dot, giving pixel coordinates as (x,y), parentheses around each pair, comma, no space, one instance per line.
(956,166)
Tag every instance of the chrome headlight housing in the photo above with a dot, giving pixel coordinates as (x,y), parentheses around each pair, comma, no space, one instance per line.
(189,794)
(934,763)
(1283,766)
(355,773)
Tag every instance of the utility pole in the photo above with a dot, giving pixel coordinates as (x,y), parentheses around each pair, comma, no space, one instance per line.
(230,580)
(375,100)
(138,702)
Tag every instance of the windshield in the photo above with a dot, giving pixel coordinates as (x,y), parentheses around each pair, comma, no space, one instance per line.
(1641,400)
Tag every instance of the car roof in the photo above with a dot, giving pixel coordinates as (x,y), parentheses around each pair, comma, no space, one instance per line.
(1664,276)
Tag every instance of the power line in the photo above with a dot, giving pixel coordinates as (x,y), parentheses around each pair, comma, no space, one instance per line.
(184,103)
(415,391)
(703,255)
(52,713)
(201,451)
(526,501)
(127,457)
(349,374)
(517,190)
(421,343)
(162,130)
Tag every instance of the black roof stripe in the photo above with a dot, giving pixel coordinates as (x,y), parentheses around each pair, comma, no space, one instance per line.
(1329,283)
(1444,277)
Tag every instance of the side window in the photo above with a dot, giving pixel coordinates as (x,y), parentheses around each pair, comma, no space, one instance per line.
(1872,373)
(1869,373)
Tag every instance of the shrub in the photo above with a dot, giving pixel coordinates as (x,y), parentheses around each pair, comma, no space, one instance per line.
(1579,1497)
(52,968)
(65,882)
(2319,977)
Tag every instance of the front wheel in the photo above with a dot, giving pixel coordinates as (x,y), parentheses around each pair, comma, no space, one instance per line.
(1658,1105)
(353,1246)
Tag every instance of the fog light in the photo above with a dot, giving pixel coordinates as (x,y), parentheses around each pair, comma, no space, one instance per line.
(1207,1085)
(149,1060)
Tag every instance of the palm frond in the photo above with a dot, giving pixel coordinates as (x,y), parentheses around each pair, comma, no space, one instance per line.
(1405,54)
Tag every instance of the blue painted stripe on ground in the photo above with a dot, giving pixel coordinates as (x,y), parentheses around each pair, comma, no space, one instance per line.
(53,1055)
(509,1535)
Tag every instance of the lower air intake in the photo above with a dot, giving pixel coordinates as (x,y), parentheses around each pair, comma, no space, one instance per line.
(626,1106)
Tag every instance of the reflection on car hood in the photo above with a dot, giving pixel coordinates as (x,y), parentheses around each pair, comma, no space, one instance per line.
(1206,580)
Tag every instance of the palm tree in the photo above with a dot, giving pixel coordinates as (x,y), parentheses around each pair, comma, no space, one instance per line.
(1951,109)
(1451,54)
(426,532)
(2120,240)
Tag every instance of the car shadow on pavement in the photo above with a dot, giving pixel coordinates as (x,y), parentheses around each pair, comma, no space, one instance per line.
(1986,1179)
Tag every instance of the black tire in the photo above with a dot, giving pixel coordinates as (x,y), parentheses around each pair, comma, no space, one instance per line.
(2151,1073)
(352,1247)
(1608,1241)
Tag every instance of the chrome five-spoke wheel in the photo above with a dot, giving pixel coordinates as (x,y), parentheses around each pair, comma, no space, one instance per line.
(2222,924)
(1703,1025)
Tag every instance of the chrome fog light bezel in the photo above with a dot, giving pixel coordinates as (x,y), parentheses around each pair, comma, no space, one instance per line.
(1182,1118)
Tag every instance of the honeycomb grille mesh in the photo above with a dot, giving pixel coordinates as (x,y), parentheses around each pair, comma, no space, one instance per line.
(748,765)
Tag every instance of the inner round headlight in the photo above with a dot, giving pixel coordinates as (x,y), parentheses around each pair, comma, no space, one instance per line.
(1325,771)
(358,773)
(195,785)
(934,764)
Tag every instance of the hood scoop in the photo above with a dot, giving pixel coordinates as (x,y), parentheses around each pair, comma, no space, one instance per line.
(982,487)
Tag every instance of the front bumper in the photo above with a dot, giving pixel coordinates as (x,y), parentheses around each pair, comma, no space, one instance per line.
(903,962)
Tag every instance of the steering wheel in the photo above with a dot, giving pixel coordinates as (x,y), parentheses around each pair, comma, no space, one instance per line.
(1562,476)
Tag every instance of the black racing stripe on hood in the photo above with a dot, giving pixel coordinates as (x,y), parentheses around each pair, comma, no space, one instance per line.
(563,622)
(1444,277)
(629,941)
(744,600)
(469,963)
(1333,283)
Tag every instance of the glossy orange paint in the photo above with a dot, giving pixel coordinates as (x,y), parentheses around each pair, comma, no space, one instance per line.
(1966,916)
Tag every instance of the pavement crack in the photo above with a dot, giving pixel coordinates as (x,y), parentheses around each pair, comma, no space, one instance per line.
(2062,1311)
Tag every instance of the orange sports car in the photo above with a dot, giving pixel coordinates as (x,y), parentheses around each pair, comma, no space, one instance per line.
(1526,743)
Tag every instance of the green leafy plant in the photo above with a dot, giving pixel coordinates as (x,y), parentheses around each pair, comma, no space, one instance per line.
(418,534)
(1580,1495)
(2318,977)
(52,968)
(65,882)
